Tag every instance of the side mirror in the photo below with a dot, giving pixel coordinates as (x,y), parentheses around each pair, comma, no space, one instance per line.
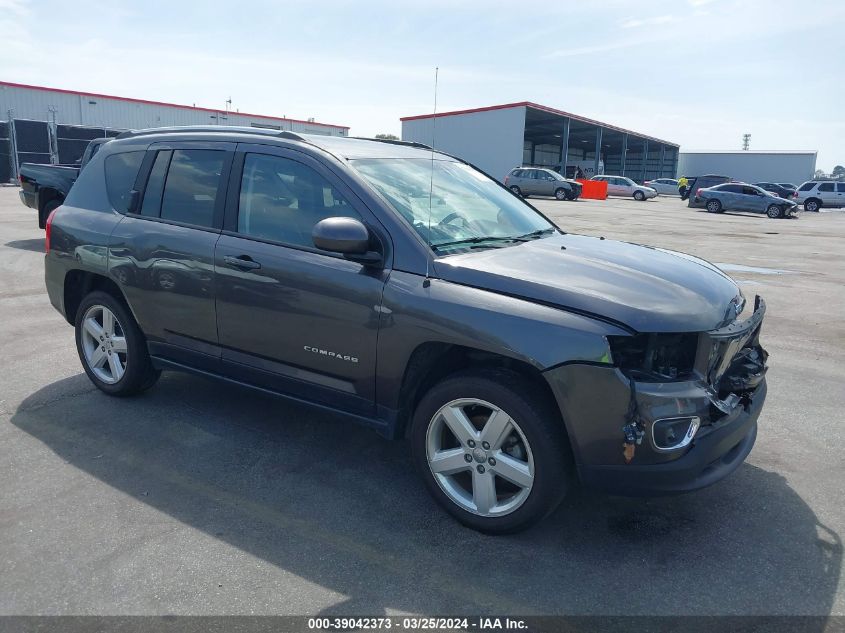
(346,236)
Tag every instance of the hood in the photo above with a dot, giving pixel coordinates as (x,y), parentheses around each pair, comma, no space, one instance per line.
(647,289)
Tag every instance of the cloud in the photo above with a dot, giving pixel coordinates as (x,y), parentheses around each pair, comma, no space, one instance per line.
(632,23)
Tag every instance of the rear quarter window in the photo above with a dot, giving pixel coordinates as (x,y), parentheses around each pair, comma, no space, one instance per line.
(807,186)
(121,171)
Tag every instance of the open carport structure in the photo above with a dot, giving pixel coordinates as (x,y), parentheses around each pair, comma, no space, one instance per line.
(501,137)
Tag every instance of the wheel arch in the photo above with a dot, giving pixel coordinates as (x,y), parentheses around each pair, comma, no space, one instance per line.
(46,195)
(431,362)
(79,283)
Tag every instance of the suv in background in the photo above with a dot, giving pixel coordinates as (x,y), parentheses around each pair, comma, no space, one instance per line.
(815,194)
(703,182)
(418,297)
(622,186)
(534,181)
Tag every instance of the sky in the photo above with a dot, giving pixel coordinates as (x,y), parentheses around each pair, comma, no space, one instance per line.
(700,73)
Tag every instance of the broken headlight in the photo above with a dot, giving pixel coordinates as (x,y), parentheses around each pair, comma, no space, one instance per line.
(655,357)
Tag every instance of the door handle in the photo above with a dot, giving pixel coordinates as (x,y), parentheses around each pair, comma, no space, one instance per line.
(244,262)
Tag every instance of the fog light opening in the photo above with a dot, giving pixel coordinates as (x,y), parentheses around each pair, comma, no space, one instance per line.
(670,434)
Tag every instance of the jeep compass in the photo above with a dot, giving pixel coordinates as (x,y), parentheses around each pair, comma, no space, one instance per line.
(406,290)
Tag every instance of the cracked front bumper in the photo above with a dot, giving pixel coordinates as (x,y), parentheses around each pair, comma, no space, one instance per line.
(594,405)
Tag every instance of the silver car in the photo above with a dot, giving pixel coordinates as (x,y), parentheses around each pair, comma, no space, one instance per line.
(534,181)
(664,186)
(622,186)
(739,196)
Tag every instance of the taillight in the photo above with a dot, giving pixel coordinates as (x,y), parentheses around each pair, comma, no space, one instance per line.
(794,194)
(698,193)
(507,178)
(48,229)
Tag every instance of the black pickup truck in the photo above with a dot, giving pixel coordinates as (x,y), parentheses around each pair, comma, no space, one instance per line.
(45,187)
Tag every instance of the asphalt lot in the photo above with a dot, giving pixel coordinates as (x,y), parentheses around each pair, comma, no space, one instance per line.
(201,498)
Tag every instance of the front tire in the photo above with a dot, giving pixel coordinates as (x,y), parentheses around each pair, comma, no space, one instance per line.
(560,194)
(639,196)
(491,449)
(111,346)
(812,205)
(714,206)
(774,211)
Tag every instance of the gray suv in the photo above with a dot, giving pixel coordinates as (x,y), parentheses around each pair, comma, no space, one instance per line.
(534,181)
(407,291)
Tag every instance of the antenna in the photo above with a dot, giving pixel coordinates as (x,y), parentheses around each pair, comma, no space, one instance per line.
(427,281)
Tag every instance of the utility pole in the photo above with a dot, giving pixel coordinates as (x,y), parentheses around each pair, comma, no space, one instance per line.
(746,140)
(228,105)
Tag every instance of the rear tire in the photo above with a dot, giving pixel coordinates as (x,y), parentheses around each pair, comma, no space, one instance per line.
(473,486)
(774,211)
(560,193)
(111,346)
(714,206)
(812,205)
(46,210)
(639,196)
(517,191)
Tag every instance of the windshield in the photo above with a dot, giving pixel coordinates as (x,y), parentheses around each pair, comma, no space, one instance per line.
(466,209)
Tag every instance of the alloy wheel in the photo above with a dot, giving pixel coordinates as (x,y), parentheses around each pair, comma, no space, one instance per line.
(104,344)
(480,457)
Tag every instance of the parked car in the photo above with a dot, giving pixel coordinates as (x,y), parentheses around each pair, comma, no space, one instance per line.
(788,185)
(779,190)
(44,187)
(815,194)
(738,196)
(418,297)
(664,186)
(704,182)
(622,186)
(535,181)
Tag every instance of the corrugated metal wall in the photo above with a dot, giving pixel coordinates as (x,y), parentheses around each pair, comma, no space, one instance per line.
(79,118)
(108,112)
(491,140)
(794,167)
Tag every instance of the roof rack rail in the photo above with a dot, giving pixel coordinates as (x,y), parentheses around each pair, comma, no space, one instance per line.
(188,129)
(394,142)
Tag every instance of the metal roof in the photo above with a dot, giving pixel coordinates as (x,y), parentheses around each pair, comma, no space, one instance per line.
(542,108)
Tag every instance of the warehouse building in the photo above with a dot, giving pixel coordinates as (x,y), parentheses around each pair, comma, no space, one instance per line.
(498,138)
(50,125)
(747,166)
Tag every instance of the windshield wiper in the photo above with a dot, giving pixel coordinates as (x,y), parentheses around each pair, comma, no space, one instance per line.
(536,233)
(478,239)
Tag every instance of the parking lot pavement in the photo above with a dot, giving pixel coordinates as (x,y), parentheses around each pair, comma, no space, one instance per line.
(201,498)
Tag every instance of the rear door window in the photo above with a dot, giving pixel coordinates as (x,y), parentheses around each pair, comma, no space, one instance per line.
(121,172)
(840,188)
(190,190)
(826,186)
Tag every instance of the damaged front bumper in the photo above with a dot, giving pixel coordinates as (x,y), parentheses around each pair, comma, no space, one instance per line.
(617,425)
